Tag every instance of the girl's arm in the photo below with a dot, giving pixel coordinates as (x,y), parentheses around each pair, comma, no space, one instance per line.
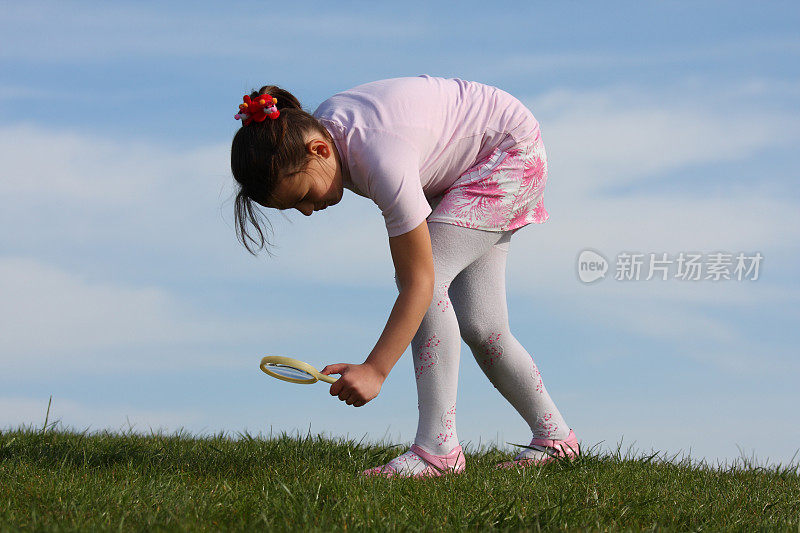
(413,262)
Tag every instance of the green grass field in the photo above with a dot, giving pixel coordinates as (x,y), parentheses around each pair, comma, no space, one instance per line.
(58,480)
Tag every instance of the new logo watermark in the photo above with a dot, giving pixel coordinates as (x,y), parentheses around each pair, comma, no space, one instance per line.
(591,266)
(684,266)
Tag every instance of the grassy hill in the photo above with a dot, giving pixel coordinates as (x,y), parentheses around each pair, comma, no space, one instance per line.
(63,480)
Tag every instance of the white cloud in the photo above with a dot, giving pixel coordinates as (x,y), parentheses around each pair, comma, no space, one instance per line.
(45,309)
(41,163)
(174,203)
(679,53)
(65,413)
(56,322)
(700,425)
(604,138)
(597,140)
(660,224)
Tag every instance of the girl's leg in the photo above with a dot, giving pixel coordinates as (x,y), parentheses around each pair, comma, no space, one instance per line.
(436,346)
(478,295)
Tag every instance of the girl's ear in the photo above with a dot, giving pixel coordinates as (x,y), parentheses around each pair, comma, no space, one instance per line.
(318,147)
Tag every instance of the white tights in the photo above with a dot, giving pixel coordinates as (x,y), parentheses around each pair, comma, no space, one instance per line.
(469,302)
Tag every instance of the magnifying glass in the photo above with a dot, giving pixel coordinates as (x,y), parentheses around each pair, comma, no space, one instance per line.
(293,370)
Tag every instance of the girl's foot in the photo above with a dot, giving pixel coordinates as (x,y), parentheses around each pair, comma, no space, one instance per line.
(546,450)
(418,463)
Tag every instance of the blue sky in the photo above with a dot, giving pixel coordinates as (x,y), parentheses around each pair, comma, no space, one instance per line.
(124,294)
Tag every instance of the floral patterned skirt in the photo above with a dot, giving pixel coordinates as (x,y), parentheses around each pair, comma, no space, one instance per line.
(501,192)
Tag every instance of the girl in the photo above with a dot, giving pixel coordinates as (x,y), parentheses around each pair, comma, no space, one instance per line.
(456,167)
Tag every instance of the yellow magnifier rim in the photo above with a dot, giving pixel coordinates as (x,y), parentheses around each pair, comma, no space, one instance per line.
(297,365)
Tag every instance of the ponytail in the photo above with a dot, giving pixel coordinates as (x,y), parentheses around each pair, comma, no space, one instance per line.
(263,154)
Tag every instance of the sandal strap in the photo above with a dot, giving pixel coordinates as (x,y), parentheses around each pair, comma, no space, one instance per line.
(571,441)
(440,462)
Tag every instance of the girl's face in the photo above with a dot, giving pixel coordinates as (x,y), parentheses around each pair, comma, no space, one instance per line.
(316,187)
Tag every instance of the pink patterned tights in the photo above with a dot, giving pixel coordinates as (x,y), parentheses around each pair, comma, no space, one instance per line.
(469,302)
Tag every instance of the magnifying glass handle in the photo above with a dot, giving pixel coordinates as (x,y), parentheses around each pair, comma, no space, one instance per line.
(323,377)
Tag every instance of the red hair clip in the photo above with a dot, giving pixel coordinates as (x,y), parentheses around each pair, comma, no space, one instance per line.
(259,109)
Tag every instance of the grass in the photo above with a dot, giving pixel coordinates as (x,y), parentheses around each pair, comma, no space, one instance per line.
(60,480)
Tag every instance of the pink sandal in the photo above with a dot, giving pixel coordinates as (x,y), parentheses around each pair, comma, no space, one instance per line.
(437,465)
(553,448)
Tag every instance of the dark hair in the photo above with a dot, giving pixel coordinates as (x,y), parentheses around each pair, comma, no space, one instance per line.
(263,154)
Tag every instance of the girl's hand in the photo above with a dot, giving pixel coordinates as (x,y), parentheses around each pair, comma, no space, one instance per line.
(358,385)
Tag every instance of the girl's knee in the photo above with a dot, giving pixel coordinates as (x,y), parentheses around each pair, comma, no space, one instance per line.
(477,333)
(480,335)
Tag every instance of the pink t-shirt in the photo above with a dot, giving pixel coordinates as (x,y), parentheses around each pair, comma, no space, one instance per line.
(406,140)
